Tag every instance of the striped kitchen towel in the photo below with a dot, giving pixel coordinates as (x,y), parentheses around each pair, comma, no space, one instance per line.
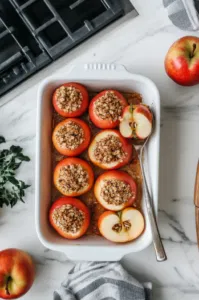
(102,281)
(183,13)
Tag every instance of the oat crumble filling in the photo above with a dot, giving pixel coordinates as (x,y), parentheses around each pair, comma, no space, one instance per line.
(70,135)
(68,218)
(109,149)
(116,191)
(72,178)
(69,98)
(108,107)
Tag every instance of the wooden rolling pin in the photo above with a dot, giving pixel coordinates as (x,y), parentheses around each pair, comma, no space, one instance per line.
(196,202)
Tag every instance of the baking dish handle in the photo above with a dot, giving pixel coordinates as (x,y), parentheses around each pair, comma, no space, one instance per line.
(96,68)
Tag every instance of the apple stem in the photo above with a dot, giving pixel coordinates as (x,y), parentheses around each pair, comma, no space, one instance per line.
(7,283)
(119,213)
(193,51)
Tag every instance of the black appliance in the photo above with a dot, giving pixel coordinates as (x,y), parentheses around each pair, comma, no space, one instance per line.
(33,33)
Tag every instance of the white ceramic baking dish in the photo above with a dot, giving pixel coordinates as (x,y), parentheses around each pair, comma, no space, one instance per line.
(95,77)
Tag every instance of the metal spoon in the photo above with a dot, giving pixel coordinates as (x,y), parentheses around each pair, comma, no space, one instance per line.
(157,242)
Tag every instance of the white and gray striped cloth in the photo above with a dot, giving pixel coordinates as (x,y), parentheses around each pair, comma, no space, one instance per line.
(101,281)
(183,13)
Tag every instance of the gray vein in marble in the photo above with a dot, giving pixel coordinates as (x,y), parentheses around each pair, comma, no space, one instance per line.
(43,260)
(187,113)
(171,240)
(175,200)
(176,226)
(186,99)
(6,102)
(169,216)
(22,139)
(179,274)
(181,233)
(46,250)
(181,109)
(17,118)
(16,211)
(185,200)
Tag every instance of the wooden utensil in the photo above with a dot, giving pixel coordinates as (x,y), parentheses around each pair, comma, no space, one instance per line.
(196,202)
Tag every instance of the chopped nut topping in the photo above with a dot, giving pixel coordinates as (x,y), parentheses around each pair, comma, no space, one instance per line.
(68,218)
(70,135)
(117,227)
(72,178)
(127,225)
(116,191)
(109,149)
(108,107)
(69,99)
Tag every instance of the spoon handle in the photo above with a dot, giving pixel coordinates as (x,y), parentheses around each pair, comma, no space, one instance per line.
(157,242)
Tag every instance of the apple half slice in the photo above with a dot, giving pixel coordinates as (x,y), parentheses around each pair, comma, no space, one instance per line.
(121,227)
(136,122)
(115,190)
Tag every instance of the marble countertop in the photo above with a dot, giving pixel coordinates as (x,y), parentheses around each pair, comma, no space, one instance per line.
(140,44)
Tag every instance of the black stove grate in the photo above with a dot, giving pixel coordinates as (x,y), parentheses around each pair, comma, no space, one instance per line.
(72,23)
(17,60)
(34,33)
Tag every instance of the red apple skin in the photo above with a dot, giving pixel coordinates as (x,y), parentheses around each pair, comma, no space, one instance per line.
(181,63)
(143,109)
(19,266)
(138,108)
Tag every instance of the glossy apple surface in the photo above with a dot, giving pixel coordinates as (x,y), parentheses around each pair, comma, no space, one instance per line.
(17,273)
(124,227)
(182,61)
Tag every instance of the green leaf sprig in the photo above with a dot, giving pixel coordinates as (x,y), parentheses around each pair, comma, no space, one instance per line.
(12,190)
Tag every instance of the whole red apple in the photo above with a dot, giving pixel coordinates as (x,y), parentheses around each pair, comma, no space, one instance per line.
(182,61)
(16,273)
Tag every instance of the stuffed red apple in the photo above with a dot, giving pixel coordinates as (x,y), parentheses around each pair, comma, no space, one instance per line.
(121,227)
(17,273)
(73,176)
(71,137)
(70,99)
(136,122)
(115,190)
(106,108)
(70,217)
(109,150)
